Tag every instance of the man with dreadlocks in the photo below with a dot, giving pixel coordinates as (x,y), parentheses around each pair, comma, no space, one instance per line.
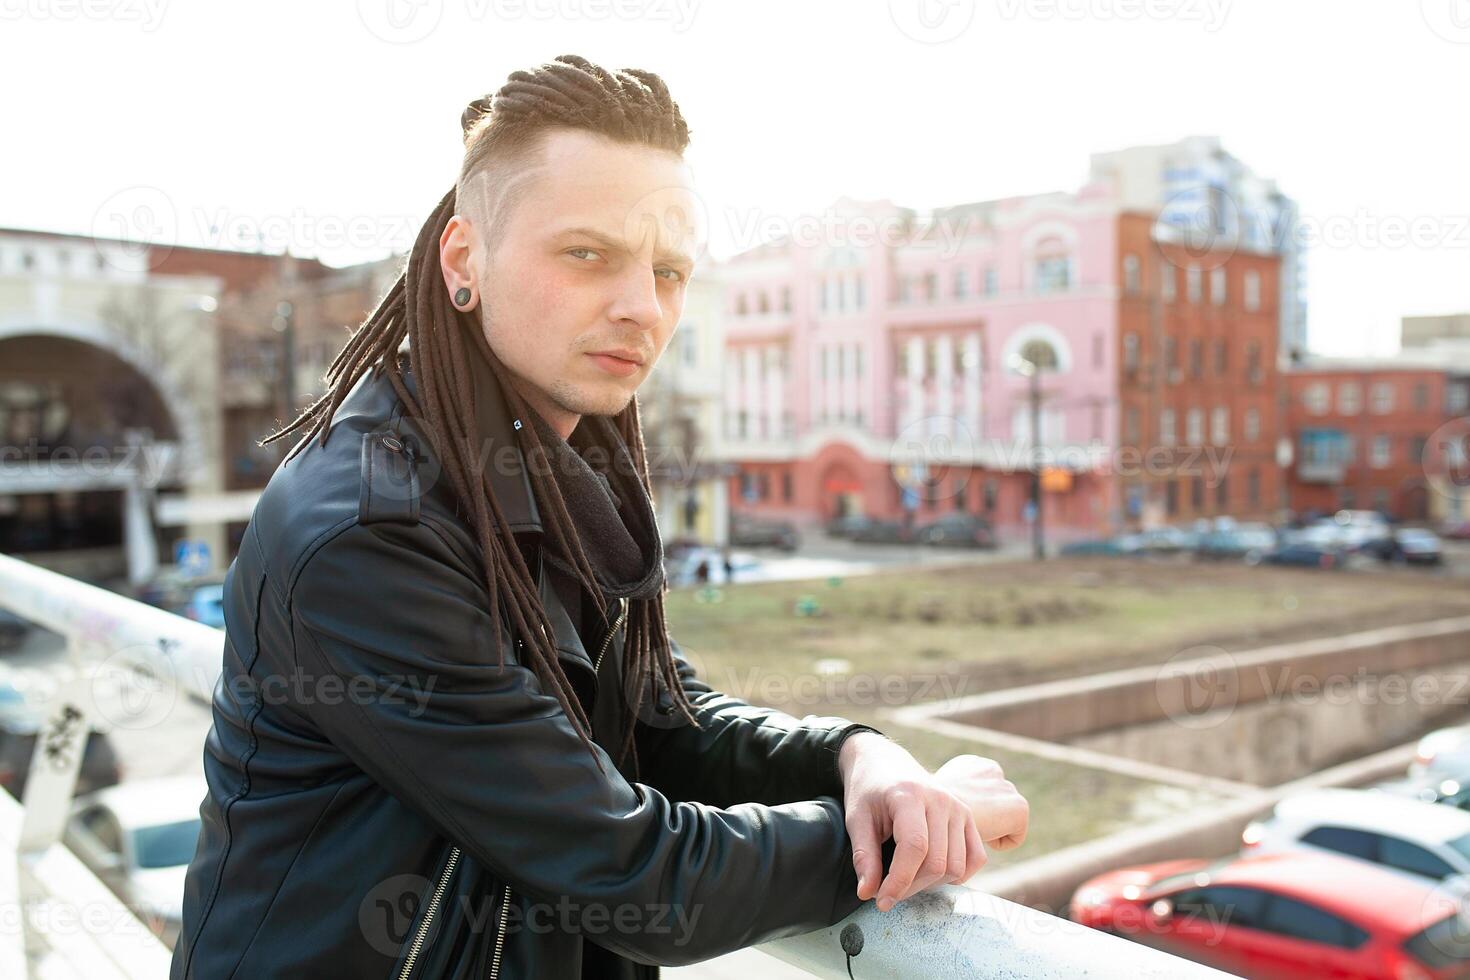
(452,737)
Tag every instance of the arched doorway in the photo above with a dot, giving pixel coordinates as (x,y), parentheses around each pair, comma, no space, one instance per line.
(87,438)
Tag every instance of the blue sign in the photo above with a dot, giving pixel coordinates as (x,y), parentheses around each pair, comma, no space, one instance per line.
(192,557)
(1028,513)
(910,498)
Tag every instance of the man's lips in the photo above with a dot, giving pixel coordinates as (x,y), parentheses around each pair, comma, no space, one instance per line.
(616,364)
(622,354)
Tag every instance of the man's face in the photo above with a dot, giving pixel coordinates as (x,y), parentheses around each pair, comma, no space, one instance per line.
(590,263)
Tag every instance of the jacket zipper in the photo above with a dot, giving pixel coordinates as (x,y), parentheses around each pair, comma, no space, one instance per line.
(443,882)
(500,931)
(434,899)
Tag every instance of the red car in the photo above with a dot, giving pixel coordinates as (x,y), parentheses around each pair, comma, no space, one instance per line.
(1285,916)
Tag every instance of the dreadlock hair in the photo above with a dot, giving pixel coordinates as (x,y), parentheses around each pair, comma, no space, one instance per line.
(500,131)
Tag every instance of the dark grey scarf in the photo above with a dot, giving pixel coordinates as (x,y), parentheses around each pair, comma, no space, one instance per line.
(610,509)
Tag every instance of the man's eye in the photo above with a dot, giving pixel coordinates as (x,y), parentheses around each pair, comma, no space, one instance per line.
(587,250)
(676,277)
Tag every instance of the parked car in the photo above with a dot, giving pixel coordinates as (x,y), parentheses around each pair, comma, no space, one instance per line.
(1250,543)
(20,721)
(13,630)
(842,527)
(1356,530)
(883,532)
(1123,544)
(1168,540)
(1456,531)
(1408,836)
(1317,546)
(1283,916)
(957,531)
(1444,752)
(754,532)
(1429,788)
(187,595)
(1410,545)
(139,838)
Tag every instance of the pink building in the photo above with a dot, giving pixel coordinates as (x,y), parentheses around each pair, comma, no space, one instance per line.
(874,349)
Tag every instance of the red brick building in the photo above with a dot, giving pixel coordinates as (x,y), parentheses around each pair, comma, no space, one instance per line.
(1359,428)
(1199,382)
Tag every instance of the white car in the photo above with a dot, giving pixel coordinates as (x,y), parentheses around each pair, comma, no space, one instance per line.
(1411,836)
(138,838)
(1444,752)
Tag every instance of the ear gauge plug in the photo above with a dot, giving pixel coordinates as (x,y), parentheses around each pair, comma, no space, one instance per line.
(462,296)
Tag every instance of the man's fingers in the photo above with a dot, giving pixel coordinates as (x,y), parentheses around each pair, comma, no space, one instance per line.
(936,862)
(975,856)
(867,854)
(958,846)
(911,840)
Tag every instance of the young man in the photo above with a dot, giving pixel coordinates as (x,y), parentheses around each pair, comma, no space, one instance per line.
(452,737)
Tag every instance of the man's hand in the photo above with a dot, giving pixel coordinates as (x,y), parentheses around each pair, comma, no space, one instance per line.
(1001,813)
(888,793)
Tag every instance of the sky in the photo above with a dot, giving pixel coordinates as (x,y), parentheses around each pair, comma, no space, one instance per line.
(332,128)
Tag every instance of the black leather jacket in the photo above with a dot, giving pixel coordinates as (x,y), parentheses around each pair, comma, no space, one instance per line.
(385,802)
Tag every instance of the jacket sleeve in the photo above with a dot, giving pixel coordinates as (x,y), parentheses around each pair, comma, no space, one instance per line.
(740,753)
(493,763)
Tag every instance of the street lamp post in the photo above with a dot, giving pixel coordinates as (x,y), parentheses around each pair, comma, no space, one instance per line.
(1031,369)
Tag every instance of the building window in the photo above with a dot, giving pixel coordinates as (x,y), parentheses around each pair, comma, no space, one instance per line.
(1421,396)
(1166,282)
(1196,358)
(1220,425)
(1252,424)
(1194,427)
(1252,290)
(1417,445)
(1171,358)
(763,304)
(903,289)
(861,291)
(785,299)
(1382,397)
(1166,427)
(1192,283)
(1316,397)
(1132,274)
(1253,488)
(1458,399)
(1130,426)
(991,284)
(1382,452)
(1222,495)
(1197,493)
(1053,267)
(1253,362)
(1217,285)
(1097,349)
(741,306)
(1349,398)
(1222,356)
(961,282)
(1171,497)
(931,286)
(786,488)
(1130,352)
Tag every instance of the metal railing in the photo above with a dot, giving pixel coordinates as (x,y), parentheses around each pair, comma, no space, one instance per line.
(949,931)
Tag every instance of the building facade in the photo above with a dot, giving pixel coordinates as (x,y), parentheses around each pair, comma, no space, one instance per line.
(880,370)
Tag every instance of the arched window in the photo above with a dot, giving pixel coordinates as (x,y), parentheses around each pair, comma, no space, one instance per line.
(1052,265)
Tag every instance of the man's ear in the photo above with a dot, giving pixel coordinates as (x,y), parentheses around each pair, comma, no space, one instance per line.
(458,259)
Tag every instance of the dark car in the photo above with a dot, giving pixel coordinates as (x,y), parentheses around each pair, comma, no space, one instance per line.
(1410,545)
(1309,548)
(13,630)
(751,532)
(958,531)
(884,532)
(1123,544)
(1250,543)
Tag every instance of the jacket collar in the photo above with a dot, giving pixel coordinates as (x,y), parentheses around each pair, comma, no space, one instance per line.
(498,452)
